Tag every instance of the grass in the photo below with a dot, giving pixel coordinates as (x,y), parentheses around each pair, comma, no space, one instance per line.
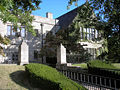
(13,77)
(117,65)
(82,65)
(100,64)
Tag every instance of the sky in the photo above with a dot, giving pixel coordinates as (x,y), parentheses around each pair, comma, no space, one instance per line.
(57,7)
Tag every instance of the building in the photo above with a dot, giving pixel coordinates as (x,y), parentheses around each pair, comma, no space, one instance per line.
(90,37)
(42,26)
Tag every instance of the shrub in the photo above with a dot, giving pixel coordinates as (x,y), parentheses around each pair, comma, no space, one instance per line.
(103,68)
(48,78)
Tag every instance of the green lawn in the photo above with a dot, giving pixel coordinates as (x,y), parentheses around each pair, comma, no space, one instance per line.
(82,65)
(116,65)
(13,77)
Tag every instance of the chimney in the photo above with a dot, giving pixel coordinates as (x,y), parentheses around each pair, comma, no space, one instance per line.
(49,15)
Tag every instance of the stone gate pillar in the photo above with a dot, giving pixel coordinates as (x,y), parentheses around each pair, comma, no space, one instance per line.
(23,54)
(61,57)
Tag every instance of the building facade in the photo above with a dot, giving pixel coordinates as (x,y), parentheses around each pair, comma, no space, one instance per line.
(91,39)
(42,25)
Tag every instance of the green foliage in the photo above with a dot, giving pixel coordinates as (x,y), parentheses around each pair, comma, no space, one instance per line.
(3,41)
(114,48)
(82,65)
(71,2)
(107,10)
(50,45)
(70,36)
(18,12)
(102,53)
(108,14)
(116,65)
(86,16)
(100,64)
(103,68)
(48,78)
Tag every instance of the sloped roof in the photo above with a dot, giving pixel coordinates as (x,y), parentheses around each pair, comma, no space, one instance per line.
(66,19)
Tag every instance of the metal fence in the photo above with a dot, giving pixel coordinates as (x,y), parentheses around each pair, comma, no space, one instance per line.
(93,81)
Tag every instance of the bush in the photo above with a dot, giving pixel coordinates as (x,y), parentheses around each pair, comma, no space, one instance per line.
(103,68)
(48,78)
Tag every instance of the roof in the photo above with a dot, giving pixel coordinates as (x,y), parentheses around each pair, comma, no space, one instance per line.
(67,19)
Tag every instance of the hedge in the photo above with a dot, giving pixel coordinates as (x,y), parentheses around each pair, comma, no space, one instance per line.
(103,68)
(48,78)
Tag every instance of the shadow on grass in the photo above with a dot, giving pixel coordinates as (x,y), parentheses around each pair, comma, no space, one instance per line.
(20,78)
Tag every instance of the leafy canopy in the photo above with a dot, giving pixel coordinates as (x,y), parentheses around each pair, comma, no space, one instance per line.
(18,12)
(108,12)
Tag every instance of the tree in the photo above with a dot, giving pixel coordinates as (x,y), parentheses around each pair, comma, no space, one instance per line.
(114,48)
(70,38)
(18,12)
(108,12)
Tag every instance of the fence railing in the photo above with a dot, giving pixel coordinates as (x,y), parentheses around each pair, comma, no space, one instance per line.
(93,80)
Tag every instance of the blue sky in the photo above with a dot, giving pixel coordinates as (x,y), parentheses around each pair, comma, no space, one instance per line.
(57,7)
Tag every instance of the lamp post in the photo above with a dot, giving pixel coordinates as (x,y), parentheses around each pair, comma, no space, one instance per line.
(42,37)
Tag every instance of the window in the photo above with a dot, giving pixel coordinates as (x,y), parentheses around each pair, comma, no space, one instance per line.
(18,32)
(84,33)
(22,32)
(88,33)
(87,36)
(80,29)
(15,57)
(35,54)
(84,29)
(87,30)
(92,34)
(13,31)
(8,30)
(90,30)
(96,34)
(81,32)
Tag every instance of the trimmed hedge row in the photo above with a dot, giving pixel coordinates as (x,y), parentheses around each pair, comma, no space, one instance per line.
(48,78)
(103,68)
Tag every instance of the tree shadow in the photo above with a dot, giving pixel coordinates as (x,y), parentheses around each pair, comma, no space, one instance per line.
(21,78)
